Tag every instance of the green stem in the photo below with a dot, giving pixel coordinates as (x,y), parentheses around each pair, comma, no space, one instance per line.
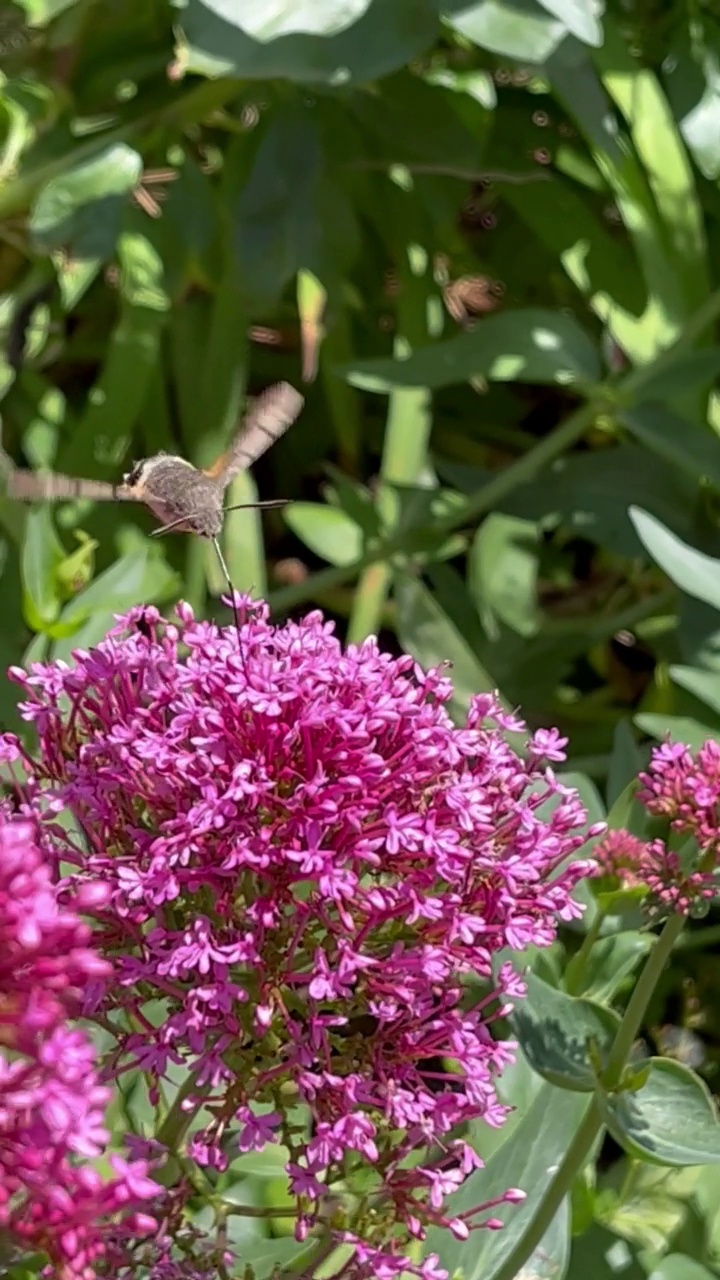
(591,1126)
(629,1028)
(578,964)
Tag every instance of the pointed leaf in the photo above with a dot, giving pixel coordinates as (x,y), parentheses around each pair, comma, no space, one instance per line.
(556,1032)
(513,346)
(692,571)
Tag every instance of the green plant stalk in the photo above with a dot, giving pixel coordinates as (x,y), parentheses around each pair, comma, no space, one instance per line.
(520,472)
(582,956)
(407,434)
(591,1125)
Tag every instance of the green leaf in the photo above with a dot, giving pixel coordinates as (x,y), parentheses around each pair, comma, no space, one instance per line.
(625,763)
(142,272)
(80,211)
(529,1159)
(42,554)
(557,1034)
(380,40)
(677,1266)
(289,17)
(519,29)
(692,80)
(685,445)
(136,578)
(692,571)
(513,346)
(291,214)
(686,371)
(611,960)
(580,18)
(670,1120)
(676,729)
(439,626)
(590,494)
(705,685)
(327,531)
(503,571)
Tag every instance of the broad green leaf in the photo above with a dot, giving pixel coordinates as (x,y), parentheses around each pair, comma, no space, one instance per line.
(685,372)
(327,531)
(42,553)
(692,571)
(559,1033)
(662,155)
(670,1120)
(611,960)
(527,1160)
(676,729)
(685,445)
(677,1266)
(692,80)
(598,1254)
(136,578)
(519,29)
(289,17)
(580,17)
(625,763)
(380,40)
(142,272)
(705,685)
(579,88)
(512,346)
(591,493)
(503,571)
(442,626)
(40,12)
(81,211)
(114,402)
(291,213)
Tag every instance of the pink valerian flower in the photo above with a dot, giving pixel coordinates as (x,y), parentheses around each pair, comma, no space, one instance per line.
(51,1101)
(649,864)
(685,788)
(304,856)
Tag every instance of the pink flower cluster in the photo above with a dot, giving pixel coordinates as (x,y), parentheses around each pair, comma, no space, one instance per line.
(303,858)
(685,789)
(51,1101)
(649,864)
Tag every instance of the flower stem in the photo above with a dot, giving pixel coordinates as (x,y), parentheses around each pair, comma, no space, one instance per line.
(591,1126)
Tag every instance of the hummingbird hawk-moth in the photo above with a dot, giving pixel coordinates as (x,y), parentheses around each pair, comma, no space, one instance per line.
(184,497)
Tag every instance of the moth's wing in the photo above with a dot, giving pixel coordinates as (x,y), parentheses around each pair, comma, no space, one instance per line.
(268,418)
(45,486)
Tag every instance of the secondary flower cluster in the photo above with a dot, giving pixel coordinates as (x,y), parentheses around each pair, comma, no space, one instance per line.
(684,789)
(303,856)
(51,1101)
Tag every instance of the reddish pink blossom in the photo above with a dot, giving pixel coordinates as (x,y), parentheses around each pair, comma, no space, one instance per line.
(51,1101)
(303,857)
(636,863)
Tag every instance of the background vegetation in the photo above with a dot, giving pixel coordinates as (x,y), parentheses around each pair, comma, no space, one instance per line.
(485,237)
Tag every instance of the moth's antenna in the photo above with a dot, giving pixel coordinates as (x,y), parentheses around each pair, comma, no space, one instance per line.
(240,506)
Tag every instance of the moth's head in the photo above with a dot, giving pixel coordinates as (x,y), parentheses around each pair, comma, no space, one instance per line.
(139,480)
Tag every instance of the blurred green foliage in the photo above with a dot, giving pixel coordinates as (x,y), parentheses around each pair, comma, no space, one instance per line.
(485,234)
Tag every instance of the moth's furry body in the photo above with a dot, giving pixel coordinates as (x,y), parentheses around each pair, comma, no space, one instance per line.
(177,493)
